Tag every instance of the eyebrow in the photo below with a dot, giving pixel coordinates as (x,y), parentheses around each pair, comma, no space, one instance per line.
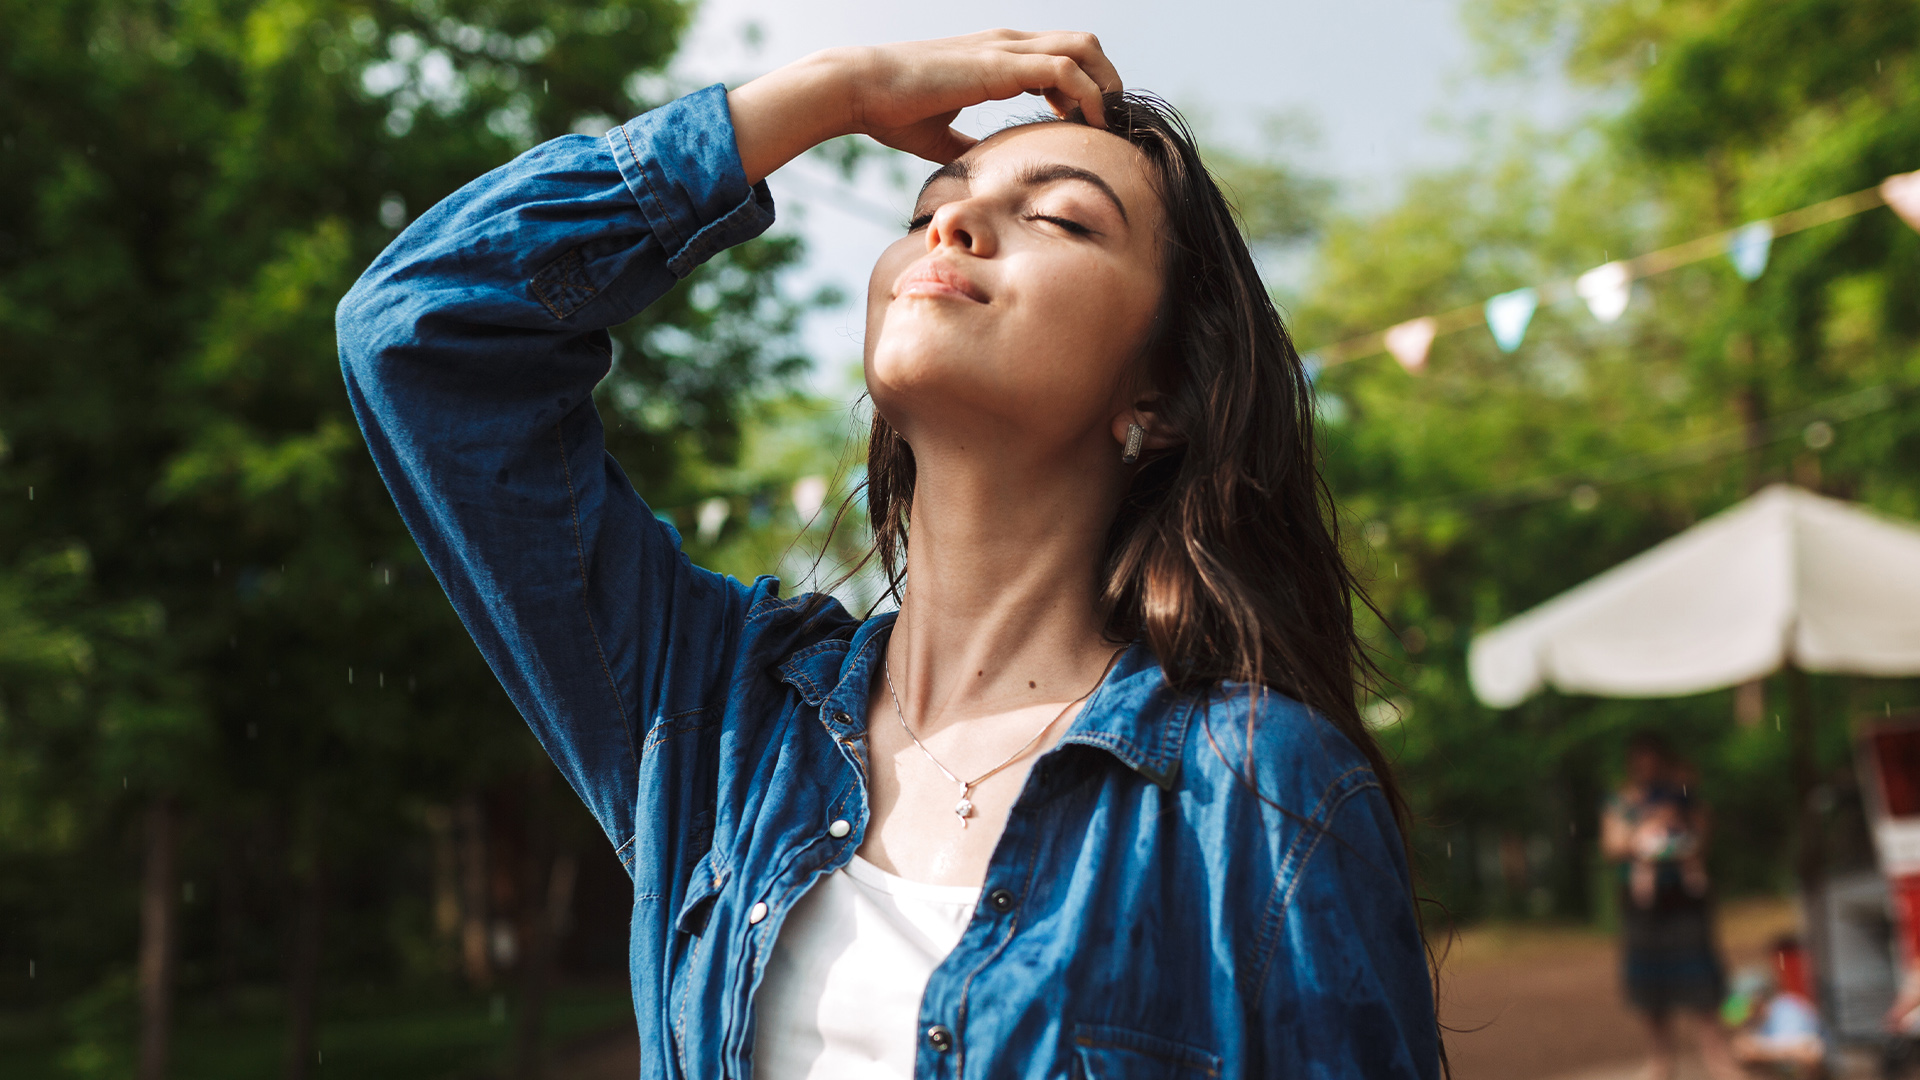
(1032,176)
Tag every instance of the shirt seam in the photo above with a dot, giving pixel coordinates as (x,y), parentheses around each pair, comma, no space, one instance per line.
(664,218)
(586,610)
(1292,872)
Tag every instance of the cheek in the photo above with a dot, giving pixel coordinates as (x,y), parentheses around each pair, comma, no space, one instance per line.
(886,270)
(1091,316)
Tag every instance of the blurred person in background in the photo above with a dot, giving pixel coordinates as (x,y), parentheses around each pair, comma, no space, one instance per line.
(1656,828)
(1098,799)
(1775,1032)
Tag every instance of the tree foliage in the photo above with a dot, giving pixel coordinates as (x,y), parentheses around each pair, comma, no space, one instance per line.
(1496,481)
(205,594)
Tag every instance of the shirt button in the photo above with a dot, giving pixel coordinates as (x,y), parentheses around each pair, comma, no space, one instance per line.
(839,829)
(1000,900)
(940,1038)
(757,912)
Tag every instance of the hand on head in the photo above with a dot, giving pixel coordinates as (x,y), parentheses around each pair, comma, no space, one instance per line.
(906,95)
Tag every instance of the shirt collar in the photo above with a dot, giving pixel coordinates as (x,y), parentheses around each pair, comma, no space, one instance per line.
(1132,715)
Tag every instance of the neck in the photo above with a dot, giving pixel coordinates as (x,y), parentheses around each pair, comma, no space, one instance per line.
(1001,606)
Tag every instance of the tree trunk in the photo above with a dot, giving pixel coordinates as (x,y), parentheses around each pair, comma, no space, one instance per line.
(233,919)
(471,825)
(159,895)
(303,977)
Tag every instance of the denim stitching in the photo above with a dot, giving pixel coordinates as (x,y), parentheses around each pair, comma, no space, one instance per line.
(660,732)
(1276,913)
(562,285)
(664,220)
(580,556)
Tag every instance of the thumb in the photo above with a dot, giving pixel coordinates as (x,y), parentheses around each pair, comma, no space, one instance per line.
(945,144)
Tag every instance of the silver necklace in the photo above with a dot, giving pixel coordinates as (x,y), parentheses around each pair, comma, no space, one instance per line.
(964,808)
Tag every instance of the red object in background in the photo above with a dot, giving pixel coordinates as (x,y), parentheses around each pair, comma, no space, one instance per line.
(1898,753)
(1790,966)
(1906,910)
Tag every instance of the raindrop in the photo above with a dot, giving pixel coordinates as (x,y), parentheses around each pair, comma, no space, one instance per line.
(1396,569)
(253,730)
(1776,721)
(216,568)
(388,574)
(186,892)
(123,783)
(349,676)
(1818,436)
(383,680)
(1449,849)
(410,684)
(1569,828)
(33,972)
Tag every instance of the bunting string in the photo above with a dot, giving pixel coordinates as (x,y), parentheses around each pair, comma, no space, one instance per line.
(1608,289)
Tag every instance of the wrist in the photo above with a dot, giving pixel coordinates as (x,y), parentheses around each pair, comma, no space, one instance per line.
(788,111)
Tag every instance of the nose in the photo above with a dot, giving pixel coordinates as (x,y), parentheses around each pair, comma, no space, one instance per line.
(960,224)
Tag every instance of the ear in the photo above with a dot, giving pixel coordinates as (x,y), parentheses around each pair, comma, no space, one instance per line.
(1160,435)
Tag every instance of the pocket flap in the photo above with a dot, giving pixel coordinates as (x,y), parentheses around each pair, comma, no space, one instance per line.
(1104,1052)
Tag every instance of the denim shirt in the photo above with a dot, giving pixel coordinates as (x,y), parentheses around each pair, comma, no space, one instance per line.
(1188,885)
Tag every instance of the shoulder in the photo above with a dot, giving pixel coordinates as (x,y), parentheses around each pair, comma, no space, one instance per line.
(1253,742)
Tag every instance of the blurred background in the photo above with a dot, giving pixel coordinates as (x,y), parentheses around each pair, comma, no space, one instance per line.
(263,810)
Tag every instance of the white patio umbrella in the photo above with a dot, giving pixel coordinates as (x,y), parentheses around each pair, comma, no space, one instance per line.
(1786,577)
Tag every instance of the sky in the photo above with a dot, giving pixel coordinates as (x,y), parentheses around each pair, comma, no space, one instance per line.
(1378,81)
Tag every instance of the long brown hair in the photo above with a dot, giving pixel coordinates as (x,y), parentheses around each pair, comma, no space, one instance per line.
(1225,554)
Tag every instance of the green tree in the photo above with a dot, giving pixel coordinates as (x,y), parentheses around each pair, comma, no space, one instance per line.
(215,618)
(1495,481)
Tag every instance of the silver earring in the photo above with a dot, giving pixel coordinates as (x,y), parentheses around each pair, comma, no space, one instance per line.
(1136,435)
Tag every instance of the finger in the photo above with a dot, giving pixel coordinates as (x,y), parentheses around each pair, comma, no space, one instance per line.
(948,144)
(1044,72)
(1084,49)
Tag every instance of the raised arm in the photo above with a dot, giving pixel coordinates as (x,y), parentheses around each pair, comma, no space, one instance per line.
(471,348)
(472,345)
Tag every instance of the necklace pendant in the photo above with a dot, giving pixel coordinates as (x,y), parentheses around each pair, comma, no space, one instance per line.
(964,808)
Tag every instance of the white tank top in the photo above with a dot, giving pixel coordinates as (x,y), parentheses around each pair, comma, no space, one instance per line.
(841,996)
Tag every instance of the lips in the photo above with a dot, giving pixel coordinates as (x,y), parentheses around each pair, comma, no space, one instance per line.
(933,278)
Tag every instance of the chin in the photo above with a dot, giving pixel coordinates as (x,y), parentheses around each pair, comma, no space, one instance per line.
(911,356)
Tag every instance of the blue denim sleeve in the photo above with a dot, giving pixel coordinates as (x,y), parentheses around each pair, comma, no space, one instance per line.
(1349,994)
(471,348)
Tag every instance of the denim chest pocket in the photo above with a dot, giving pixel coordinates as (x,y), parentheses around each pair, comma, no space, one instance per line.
(1103,1052)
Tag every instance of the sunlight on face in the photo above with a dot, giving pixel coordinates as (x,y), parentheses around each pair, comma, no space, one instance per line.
(1025,291)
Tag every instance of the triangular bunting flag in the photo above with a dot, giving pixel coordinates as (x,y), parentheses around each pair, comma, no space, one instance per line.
(1902,192)
(1409,342)
(1747,248)
(1606,289)
(1508,315)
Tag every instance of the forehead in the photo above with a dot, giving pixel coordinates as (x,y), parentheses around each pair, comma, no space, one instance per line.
(1008,153)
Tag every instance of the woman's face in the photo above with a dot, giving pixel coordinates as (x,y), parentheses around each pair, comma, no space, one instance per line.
(1024,292)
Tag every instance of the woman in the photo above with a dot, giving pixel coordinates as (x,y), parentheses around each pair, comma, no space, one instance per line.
(1097,801)
(1655,828)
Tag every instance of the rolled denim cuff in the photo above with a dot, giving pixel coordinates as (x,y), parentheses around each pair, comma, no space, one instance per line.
(682,165)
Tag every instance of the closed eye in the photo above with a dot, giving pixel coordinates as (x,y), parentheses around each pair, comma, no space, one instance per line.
(919,223)
(1068,224)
